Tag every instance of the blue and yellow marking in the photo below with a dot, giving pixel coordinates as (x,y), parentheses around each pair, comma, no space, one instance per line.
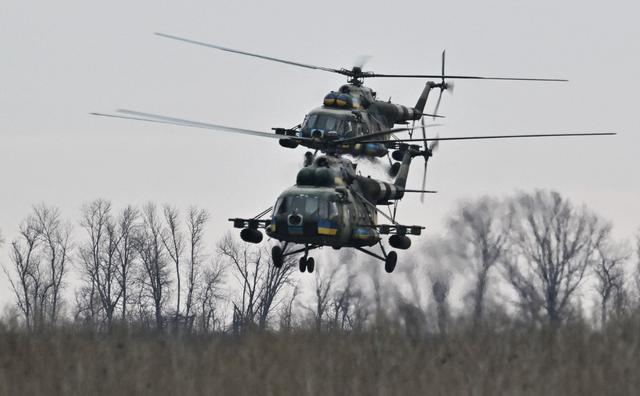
(326,227)
(363,233)
(295,230)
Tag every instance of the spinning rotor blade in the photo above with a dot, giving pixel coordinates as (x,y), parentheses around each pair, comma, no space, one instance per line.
(355,72)
(361,61)
(435,111)
(496,137)
(424,131)
(435,144)
(421,191)
(186,40)
(424,179)
(433,115)
(363,138)
(444,86)
(428,153)
(149,117)
(455,77)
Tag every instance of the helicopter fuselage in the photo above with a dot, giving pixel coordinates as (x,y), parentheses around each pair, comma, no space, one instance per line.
(323,216)
(350,112)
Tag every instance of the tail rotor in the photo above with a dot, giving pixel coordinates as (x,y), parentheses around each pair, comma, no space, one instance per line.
(443,85)
(429,149)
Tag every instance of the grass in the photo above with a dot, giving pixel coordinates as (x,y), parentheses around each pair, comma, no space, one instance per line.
(574,360)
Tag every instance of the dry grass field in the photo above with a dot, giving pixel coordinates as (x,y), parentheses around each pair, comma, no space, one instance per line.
(574,360)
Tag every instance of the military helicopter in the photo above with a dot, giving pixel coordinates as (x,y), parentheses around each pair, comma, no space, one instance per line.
(331,205)
(350,112)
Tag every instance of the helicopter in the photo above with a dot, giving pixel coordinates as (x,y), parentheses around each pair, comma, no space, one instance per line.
(330,204)
(346,115)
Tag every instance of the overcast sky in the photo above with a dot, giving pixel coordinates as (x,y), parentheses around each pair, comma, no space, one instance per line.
(61,60)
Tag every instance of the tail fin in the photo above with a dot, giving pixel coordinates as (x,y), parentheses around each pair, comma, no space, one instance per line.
(422,100)
(401,180)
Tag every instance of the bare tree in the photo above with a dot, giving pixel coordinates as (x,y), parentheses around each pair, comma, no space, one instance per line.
(26,279)
(287,318)
(56,247)
(261,282)
(150,249)
(636,269)
(274,281)
(608,267)
(126,252)
(555,243)
(40,256)
(247,265)
(196,222)
(479,236)
(530,301)
(208,295)
(324,283)
(173,241)
(350,307)
(87,306)
(98,255)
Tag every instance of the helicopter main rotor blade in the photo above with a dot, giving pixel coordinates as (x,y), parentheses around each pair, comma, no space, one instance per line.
(218,47)
(433,115)
(463,77)
(149,117)
(356,72)
(363,138)
(421,191)
(495,137)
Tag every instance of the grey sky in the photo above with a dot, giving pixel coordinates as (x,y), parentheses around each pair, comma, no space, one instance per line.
(62,60)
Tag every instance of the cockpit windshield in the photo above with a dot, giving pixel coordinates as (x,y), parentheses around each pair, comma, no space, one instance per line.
(307,205)
(326,123)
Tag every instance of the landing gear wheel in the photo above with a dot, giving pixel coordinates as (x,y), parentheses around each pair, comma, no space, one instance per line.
(303,264)
(277,257)
(390,262)
(310,264)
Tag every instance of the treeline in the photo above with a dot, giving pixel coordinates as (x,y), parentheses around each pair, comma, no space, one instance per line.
(533,258)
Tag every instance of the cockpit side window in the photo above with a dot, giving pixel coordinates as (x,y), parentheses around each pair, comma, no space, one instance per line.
(349,128)
(280,206)
(330,124)
(302,203)
(333,210)
(310,121)
(323,210)
(328,210)
(310,205)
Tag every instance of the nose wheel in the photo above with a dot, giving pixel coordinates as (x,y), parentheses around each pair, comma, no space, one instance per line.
(306,263)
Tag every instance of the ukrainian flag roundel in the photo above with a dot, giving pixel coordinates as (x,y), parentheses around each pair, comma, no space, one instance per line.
(326,227)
